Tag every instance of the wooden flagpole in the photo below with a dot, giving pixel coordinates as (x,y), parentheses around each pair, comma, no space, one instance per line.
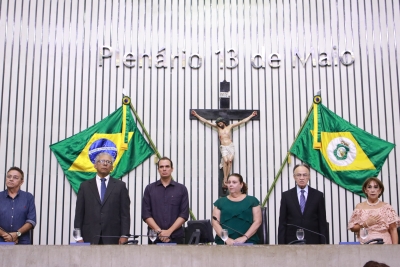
(286,159)
(126,100)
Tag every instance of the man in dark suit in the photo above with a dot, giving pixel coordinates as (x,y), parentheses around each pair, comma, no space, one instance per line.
(102,206)
(302,206)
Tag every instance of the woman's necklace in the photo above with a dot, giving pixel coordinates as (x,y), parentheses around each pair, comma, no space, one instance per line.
(373,204)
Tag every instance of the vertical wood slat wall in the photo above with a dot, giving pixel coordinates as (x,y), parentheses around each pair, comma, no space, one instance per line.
(53,87)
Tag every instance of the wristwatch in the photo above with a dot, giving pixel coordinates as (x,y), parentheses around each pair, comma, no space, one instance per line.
(18,233)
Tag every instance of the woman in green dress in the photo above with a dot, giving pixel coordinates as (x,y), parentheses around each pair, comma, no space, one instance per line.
(237,211)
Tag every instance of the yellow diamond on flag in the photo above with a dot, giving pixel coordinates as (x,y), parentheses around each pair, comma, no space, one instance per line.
(343,153)
(83,163)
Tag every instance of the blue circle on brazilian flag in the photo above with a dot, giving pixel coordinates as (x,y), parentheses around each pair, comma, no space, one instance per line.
(100,146)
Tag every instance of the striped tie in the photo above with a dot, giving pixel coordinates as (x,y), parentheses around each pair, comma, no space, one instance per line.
(302,200)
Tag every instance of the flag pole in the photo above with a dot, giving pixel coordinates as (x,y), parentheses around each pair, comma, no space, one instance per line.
(286,159)
(144,129)
(151,141)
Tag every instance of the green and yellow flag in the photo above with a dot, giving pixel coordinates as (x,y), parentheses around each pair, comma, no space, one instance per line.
(340,150)
(116,134)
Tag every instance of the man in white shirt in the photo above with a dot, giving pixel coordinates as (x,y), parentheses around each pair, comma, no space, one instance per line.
(304,207)
(102,206)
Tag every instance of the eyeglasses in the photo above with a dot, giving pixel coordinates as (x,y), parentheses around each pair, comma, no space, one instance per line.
(301,174)
(15,177)
(104,161)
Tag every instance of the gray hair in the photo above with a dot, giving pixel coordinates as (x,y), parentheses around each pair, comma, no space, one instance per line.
(102,154)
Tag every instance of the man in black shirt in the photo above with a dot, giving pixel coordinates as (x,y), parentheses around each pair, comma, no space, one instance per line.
(165,206)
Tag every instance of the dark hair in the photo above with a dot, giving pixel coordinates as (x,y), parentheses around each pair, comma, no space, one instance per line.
(376,180)
(165,158)
(244,188)
(18,170)
(374,264)
(223,120)
(299,165)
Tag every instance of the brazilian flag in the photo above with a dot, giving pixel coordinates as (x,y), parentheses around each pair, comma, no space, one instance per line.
(339,150)
(116,134)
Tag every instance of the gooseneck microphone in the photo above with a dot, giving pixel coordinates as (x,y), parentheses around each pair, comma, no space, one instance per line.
(308,230)
(136,236)
(215,218)
(133,241)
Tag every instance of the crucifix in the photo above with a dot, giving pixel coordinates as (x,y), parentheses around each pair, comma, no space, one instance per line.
(222,116)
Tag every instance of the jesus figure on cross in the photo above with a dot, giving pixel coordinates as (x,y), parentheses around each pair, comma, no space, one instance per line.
(226,145)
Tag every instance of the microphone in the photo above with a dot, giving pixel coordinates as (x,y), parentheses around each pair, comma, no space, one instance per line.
(126,235)
(215,218)
(133,241)
(136,236)
(308,230)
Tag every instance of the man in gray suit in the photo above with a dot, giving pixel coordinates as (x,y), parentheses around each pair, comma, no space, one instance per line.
(302,207)
(102,206)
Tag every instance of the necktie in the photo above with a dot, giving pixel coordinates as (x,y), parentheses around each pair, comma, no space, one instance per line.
(302,200)
(102,189)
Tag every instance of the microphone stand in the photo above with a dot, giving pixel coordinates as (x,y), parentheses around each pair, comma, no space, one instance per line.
(215,218)
(114,236)
(290,224)
(134,241)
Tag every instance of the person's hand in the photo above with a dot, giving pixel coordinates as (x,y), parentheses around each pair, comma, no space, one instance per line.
(7,237)
(230,241)
(14,237)
(194,113)
(164,235)
(240,240)
(122,240)
(371,220)
(254,113)
(10,237)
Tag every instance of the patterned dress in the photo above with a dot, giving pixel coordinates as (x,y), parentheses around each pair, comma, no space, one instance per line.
(381,228)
